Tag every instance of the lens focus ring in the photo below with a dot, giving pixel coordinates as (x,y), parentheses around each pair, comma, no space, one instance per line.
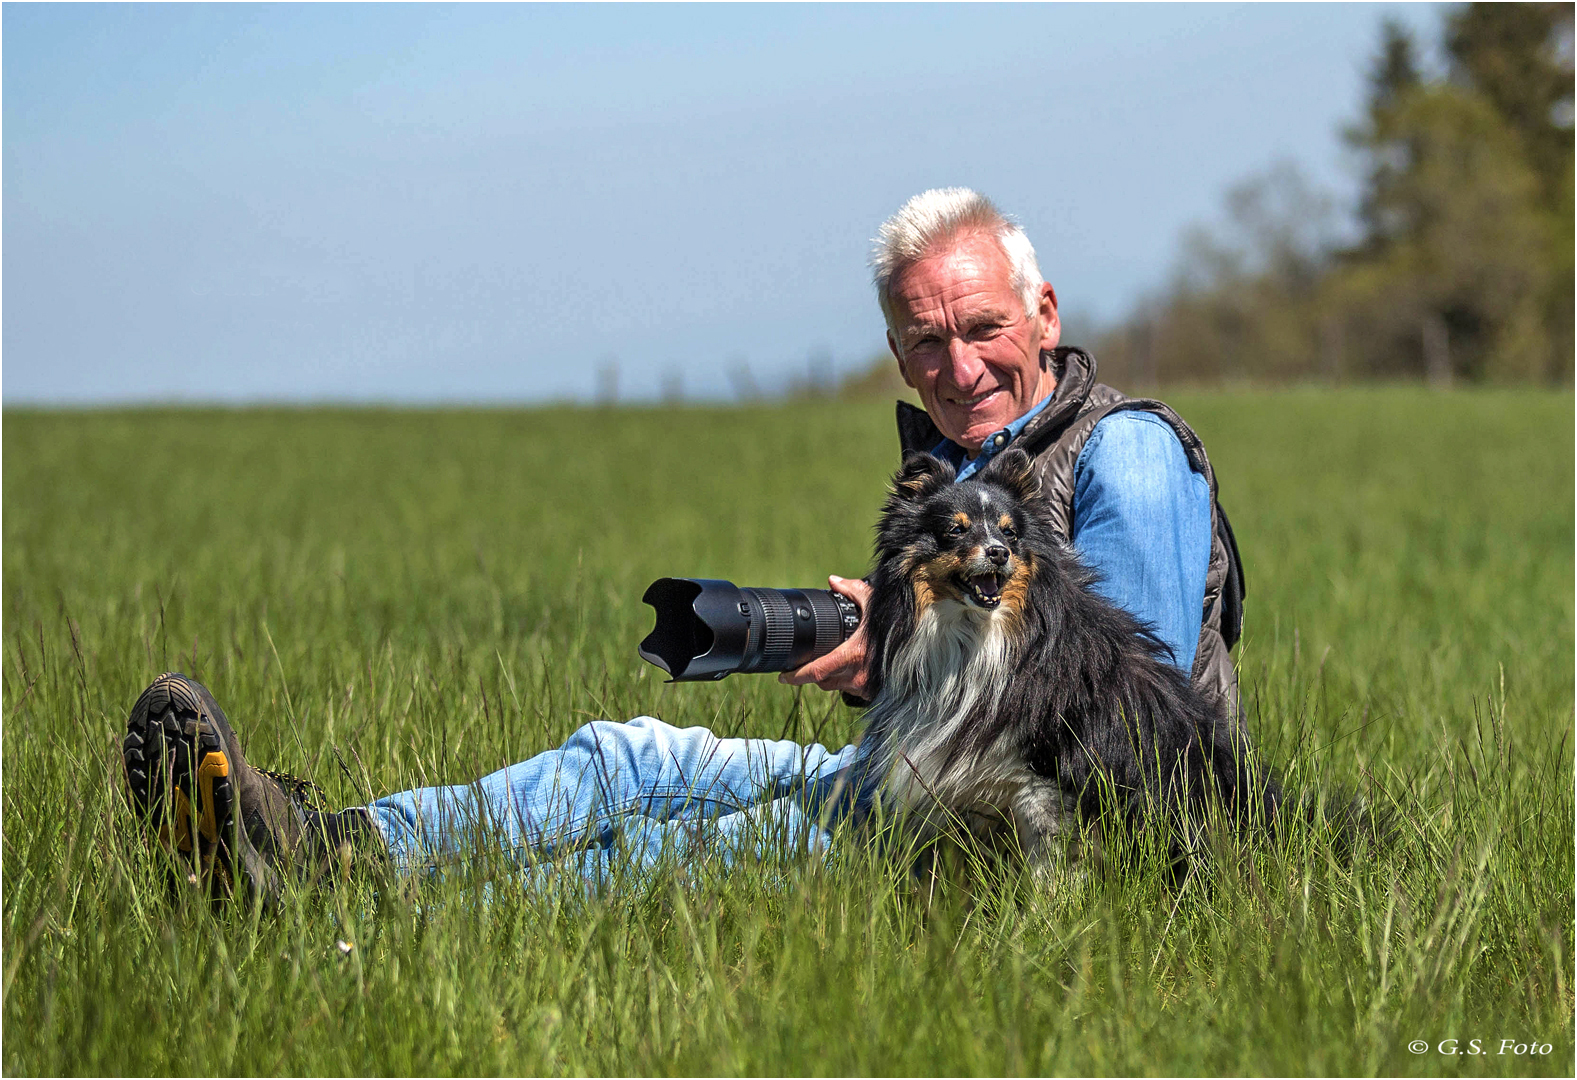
(778,641)
(829,623)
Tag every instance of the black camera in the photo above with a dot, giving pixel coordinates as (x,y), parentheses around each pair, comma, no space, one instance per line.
(708,628)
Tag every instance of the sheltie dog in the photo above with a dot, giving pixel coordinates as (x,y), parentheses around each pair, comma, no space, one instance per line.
(1008,695)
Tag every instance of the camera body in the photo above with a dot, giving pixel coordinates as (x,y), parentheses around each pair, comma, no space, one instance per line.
(707,628)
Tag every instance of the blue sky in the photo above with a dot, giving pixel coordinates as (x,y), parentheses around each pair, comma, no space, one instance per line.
(491,202)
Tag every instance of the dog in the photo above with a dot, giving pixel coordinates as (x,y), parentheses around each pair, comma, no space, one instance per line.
(1008,695)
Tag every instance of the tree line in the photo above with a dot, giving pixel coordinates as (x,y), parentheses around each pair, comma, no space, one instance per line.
(1462,266)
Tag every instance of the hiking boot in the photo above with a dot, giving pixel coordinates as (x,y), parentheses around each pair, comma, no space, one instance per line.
(238,828)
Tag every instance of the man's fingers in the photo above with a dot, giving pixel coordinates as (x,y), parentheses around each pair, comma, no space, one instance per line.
(840,661)
(853,588)
(800,677)
(817,669)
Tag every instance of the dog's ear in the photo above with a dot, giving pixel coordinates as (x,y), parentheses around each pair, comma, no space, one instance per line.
(921,475)
(1014,470)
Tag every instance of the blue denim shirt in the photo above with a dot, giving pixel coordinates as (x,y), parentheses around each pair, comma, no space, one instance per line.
(1141,519)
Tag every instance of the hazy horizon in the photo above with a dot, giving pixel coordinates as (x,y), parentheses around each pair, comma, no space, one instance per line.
(491,204)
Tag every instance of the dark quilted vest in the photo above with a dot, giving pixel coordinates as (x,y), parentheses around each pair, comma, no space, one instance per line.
(1055,438)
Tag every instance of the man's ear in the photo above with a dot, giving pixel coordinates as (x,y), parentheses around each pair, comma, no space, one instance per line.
(1015,471)
(921,475)
(1050,322)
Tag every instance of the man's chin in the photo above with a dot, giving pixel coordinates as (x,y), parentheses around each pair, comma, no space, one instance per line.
(973,428)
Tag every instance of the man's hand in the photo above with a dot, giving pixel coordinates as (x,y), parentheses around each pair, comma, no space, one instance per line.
(844,668)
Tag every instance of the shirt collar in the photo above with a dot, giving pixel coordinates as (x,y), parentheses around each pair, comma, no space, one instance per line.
(958,457)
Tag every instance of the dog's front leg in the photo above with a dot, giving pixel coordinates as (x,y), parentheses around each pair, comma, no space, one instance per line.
(1044,815)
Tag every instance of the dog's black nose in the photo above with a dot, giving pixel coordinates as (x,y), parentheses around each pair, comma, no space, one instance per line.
(997,554)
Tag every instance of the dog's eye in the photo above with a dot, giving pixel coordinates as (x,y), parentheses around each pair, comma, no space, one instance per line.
(957,530)
(1008,531)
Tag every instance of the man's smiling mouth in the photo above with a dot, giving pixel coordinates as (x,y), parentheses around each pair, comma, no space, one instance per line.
(970,403)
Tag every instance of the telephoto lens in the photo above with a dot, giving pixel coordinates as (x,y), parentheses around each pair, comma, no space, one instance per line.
(707,628)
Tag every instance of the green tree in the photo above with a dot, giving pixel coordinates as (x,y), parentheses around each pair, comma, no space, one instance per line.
(1393,75)
(1519,56)
(1457,282)
(1465,266)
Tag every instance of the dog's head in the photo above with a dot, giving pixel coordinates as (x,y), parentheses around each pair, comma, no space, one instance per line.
(968,543)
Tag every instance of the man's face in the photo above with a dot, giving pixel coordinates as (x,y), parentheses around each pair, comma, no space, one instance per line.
(964,343)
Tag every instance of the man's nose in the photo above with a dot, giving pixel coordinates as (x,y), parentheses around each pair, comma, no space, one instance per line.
(997,554)
(967,368)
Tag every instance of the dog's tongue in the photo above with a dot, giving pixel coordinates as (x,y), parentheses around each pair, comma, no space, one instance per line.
(986,583)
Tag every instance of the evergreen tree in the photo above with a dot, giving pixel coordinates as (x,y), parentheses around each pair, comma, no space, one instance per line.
(1465,264)
(1519,56)
(1393,75)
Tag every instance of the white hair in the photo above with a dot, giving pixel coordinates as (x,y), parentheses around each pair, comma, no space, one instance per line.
(930,221)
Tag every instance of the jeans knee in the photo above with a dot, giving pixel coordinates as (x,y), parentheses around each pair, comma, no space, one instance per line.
(619,753)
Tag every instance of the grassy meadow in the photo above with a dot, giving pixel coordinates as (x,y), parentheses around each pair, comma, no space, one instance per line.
(426,596)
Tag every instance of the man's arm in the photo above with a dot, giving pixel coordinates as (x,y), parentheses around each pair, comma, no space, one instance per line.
(1141,519)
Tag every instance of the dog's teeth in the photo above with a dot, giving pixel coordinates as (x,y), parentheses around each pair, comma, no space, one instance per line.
(984,589)
(986,585)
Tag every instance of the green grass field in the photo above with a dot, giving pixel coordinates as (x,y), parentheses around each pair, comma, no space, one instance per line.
(435,594)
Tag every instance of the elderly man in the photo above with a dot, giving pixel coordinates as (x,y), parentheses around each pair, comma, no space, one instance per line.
(974,329)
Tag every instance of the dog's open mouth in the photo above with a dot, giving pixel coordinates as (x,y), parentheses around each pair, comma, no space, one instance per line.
(984,589)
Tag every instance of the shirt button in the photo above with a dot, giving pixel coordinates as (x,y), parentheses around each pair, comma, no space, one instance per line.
(999,440)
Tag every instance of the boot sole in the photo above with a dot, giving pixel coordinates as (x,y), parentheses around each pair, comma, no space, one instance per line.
(178,781)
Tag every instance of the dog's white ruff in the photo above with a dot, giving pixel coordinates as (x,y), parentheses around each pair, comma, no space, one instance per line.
(959,657)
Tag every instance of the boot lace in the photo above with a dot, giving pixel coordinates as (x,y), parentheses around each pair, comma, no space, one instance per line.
(306,794)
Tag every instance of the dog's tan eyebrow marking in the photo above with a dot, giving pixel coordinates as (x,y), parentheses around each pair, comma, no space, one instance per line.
(962,518)
(1006,522)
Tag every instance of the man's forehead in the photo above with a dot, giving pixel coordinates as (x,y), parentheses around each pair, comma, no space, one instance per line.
(969,278)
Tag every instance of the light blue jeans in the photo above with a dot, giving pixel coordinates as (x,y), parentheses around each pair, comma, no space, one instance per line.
(629,795)
(625,796)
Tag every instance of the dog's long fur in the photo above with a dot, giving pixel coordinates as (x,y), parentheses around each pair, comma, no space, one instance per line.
(1007,690)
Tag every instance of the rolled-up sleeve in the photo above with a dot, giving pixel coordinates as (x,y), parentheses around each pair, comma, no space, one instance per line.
(1141,520)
